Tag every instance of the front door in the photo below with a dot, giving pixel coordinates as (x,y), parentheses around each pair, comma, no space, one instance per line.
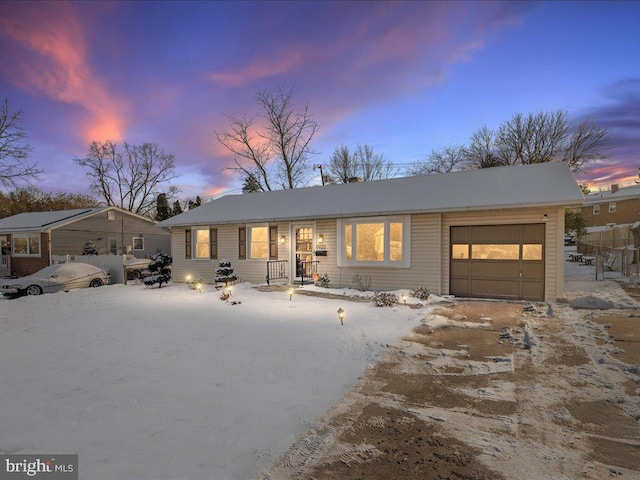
(302,249)
(5,256)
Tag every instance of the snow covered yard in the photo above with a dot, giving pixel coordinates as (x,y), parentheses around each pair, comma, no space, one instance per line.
(172,383)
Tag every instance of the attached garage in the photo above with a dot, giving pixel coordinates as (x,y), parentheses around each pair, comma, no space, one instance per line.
(498,261)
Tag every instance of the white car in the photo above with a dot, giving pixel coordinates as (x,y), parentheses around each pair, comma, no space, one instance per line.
(56,278)
(137,268)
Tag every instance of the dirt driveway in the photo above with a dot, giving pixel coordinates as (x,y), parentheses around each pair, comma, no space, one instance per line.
(488,390)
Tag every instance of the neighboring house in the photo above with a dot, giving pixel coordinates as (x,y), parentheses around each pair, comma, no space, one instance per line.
(618,205)
(30,241)
(495,232)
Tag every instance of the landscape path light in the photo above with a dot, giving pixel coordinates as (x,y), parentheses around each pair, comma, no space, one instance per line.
(404,298)
(290,294)
(341,315)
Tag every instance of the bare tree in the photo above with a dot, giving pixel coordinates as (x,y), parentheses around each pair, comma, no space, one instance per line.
(14,149)
(363,163)
(482,150)
(446,159)
(129,176)
(586,144)
(277,154)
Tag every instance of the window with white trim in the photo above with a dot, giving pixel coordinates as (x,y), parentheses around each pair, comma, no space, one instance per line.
(374,241)
(258,240)
(612,207)
(25,245)
(138,243)
(596,209)
(111,215)
(201,243)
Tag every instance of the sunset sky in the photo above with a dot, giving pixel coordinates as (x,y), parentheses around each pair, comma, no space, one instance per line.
(405,78)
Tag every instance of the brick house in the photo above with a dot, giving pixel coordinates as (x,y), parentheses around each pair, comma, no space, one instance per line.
(615,206)
(29,241)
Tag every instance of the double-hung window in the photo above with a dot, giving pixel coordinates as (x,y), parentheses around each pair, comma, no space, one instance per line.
(258,240)
(205,243)
(374,241)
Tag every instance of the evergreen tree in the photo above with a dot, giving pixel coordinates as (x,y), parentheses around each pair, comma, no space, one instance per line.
(89,248)
(163,211)
(177,208)
(160,268)
(251,184)
(224,273)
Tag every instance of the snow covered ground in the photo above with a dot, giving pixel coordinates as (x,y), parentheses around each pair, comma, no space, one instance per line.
(172,383)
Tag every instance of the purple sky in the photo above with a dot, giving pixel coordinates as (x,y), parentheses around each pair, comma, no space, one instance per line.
(403,77)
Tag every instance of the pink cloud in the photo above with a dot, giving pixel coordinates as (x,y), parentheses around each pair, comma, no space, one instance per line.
(50,59)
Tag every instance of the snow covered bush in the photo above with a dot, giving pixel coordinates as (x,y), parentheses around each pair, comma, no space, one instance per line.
(224,273)
(385,299)
(324,281)
(160,268)
(421,293)
(89,248)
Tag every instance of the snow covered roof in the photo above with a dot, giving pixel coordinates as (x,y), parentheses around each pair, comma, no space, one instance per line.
(45,221)
(493,188)
(623,193)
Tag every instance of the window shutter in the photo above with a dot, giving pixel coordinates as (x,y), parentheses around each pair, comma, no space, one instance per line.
(242,243)
(187,243)
(273,242)
(213,240)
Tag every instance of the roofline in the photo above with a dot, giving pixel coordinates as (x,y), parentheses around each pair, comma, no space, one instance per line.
(571,204)
(90,212)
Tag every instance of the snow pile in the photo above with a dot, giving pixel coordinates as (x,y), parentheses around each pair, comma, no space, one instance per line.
(173,383)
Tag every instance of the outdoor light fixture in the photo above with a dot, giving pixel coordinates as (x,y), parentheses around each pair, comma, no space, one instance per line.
(283,239)
(341,316)
(229,288)
(321,238)
(404,298)
(290,294)
(199,287)
(188,278)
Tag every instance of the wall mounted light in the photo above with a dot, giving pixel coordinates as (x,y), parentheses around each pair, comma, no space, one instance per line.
(283,239)
(321,238)
(545,217)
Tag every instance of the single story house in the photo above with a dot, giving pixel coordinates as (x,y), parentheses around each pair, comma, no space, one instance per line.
(615,206)
(495,232)
(30,241)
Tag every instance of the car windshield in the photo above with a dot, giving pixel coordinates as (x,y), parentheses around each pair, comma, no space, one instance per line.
(47,271)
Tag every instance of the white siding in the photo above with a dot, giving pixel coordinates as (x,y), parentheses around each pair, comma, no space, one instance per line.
(554,231)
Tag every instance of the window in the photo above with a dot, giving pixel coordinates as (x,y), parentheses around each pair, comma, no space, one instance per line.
(379,241)
(460,251)
(111,215)
(205,243)
(596,209)
(113,246)
(201,243)
(26,245)
(509,251)
(258,239)
(532,251)
(138,243)
(612,207)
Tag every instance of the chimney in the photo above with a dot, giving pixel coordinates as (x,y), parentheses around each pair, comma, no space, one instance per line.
(355,180)
(615,187)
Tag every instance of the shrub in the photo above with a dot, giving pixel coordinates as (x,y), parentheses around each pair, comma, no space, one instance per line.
(324,281)
(160,270)
(421,293)
(224,273)
(363,282)
(89,248)
(384,299)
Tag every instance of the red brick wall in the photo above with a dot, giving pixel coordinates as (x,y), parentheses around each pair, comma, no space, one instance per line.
(21,266)
(627,211)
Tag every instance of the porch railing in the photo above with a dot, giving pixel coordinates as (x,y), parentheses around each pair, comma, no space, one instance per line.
(306,270)
(277,269)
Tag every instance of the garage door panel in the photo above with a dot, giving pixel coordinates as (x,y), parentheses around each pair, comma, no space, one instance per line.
(460,286)
(533,233)
(496,270)
(494,288)
(533,270)
(495,234)
(532,290)
(460,269)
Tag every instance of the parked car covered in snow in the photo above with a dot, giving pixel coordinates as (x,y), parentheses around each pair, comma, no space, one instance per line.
(137,268)
(56,278)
